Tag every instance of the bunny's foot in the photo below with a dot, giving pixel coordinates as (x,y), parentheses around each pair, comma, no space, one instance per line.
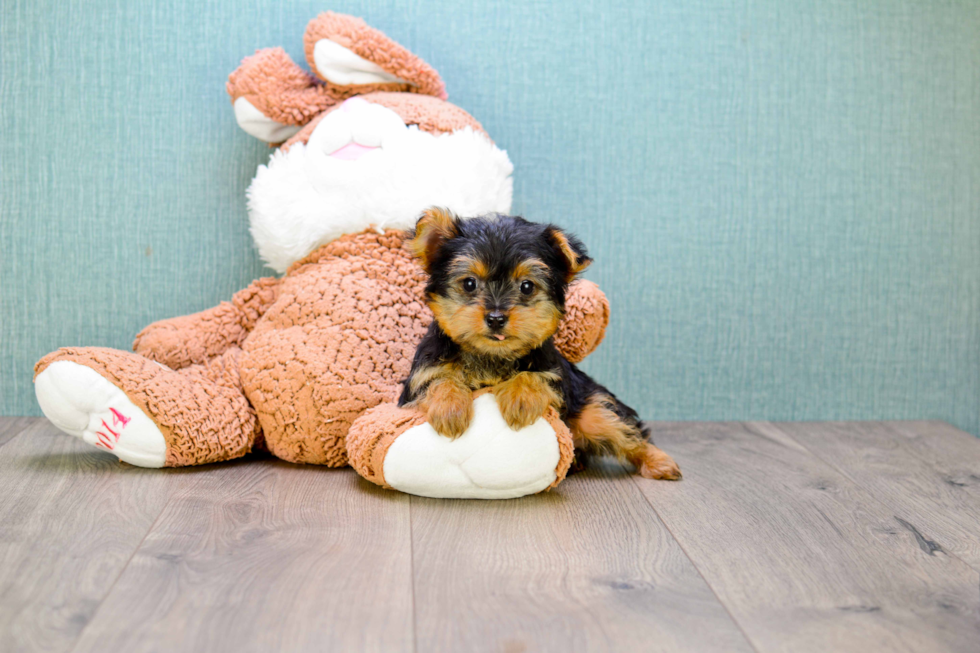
(82,403)
(397,448)
(144,413)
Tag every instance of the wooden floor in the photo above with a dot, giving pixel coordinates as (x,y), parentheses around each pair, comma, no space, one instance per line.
(781,537)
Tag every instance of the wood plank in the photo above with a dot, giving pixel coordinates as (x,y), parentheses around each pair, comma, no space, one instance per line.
(804,559)
(266,556)
(928,473)
(586,567)
(11,426)
(70,518)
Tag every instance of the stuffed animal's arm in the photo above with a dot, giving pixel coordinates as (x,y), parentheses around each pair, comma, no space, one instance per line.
(586,318)
(190,339)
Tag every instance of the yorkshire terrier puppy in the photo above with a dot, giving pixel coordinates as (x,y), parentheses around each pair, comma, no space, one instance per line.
(497,289)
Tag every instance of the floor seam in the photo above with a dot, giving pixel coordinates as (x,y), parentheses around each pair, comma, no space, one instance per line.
(724,607)
(411,554)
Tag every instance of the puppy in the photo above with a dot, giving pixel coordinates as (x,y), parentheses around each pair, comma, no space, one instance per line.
(497,289)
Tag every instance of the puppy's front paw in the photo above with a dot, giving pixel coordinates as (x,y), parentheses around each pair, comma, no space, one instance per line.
(523,410)
(450,409)
(523,400)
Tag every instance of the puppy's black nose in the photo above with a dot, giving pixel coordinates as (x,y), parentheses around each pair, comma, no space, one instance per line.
(496,320)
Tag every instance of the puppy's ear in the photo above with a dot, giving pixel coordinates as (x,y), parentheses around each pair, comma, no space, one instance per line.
(433,229)
(571,250)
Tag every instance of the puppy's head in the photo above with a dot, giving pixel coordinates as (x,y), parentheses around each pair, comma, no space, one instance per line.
(497,283)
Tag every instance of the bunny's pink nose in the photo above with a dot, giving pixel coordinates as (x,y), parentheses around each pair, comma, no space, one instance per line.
(351,152)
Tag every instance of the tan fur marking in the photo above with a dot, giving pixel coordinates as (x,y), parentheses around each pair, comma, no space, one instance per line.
(525,397)
(449,406)
(460,321)
(479,269)
(533,324)
(656,464)
(575,264)
(466,266)
(434,227)
(533,268)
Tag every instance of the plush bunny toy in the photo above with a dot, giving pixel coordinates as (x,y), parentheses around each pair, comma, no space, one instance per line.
(308,365)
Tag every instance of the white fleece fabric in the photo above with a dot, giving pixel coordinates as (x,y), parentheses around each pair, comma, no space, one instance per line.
(305,198)
(343,67)
(489,461)
(80,402)
(254,123)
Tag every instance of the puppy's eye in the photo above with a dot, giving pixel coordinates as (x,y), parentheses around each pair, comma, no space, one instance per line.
(469,284)
(527,288)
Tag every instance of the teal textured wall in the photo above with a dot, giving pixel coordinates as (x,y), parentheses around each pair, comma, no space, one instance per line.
(783,197)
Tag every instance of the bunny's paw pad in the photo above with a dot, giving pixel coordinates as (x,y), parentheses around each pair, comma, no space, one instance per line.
(80,402)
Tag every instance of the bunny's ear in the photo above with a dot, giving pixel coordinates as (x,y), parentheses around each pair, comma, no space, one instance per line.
(355,59)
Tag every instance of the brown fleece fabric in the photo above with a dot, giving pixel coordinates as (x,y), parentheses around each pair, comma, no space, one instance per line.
(430,114)
(372,433)
(280,89)
(339,340)
(376,430)
(566,446)
(194,339)
(586,319)
(373,45)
